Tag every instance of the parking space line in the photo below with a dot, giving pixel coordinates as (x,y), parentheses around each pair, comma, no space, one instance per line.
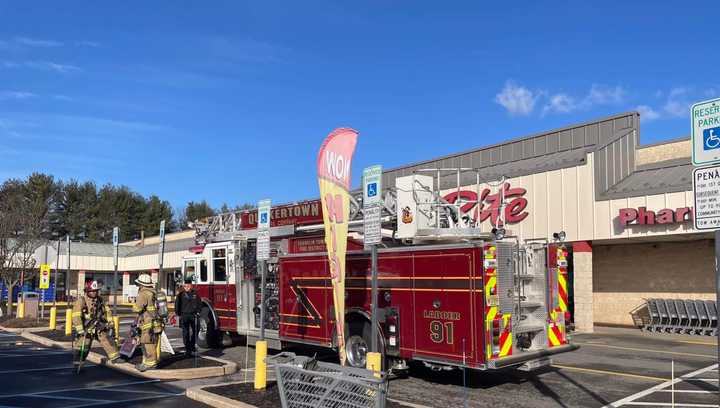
(668,404)
(704,343)
(29,370)
(79,389)
(677,353)
(690,391)
(57,353)
(141,391)
(61,397)
(95,404)
(630,400)
(605,372)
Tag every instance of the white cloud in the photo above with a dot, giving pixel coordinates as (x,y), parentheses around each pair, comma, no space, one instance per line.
(42,65)
(605,95)
(33,42)
(647,113)
(678,104)
(597,95)
(517,99)
(5,95)
(560,103)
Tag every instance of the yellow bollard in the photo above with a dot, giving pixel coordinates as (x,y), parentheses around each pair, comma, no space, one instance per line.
(68,322)
(53,318)
(116,325)
(21,310)
(374,363)
(260,366)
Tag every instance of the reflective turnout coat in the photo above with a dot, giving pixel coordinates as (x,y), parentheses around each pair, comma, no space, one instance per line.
(149,321)
(85,309)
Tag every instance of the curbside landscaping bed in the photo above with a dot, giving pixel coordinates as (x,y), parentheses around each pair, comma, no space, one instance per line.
(217,367)
(241,394)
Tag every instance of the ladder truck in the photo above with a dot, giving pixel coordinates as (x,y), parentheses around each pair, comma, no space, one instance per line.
(451,293)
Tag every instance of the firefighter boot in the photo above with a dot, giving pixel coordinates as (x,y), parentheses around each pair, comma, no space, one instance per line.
(149,358)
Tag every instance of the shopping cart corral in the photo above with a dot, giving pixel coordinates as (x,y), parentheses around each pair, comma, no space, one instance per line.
(304,382)
(679,316)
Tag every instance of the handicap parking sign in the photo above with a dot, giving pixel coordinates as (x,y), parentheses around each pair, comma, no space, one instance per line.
(711,138)
(372,189)
(263,218)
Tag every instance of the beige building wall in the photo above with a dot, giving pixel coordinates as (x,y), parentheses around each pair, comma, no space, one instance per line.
(625,274)
(564,200)
(666,151)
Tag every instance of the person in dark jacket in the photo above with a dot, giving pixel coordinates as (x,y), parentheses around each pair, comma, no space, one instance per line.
(187,308)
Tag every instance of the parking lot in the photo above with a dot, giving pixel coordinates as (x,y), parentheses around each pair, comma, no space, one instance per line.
(38,376)
(611,365)
(614,367)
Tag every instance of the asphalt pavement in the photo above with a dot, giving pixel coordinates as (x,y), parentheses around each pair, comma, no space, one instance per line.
(32,375)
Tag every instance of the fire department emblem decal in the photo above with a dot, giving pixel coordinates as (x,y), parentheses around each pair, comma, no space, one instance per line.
(407,217)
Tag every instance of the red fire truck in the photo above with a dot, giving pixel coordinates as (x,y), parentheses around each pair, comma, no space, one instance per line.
(449,294)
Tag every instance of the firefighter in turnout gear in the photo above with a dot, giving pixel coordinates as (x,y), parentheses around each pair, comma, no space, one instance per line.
(149,322)
(92,319)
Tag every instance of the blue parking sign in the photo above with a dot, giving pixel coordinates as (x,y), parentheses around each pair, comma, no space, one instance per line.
(711,138)
(372,189)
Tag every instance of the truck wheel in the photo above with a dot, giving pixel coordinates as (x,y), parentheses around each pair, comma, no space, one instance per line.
(208,336)
(357,343)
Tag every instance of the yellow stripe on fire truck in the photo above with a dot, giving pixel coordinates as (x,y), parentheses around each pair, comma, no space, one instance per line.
(562,292)
(555,335)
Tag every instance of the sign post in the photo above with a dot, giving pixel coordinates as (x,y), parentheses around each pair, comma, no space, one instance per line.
(705,139)
(44,283)
(57,271)
(262,254)
(161,249)
(372,236)
(116,242)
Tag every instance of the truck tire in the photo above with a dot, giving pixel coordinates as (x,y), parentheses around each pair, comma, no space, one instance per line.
(208,335)
(357,343)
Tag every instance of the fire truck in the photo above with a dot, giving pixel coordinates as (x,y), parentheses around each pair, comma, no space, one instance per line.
(450,292)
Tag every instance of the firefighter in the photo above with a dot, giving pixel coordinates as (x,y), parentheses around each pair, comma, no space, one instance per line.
(149,322)
(92,319)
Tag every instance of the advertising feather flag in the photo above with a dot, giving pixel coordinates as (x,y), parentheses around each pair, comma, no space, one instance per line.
(334,160)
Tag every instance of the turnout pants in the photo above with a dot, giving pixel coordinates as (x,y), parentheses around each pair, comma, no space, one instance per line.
(84,347)
(149,347)
(189,329)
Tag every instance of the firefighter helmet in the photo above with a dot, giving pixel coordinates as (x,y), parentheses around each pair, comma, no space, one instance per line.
(144,280)
(92,286)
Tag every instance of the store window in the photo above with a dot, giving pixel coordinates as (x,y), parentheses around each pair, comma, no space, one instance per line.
(219,265)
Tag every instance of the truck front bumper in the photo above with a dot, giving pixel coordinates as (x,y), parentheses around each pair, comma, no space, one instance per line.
(524,357)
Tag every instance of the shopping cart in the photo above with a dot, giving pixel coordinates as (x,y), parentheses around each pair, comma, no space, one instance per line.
(304,382)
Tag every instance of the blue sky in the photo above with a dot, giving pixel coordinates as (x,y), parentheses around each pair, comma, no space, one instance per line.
(229,101)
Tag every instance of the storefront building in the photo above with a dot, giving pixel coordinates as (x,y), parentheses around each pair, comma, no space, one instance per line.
(626,210)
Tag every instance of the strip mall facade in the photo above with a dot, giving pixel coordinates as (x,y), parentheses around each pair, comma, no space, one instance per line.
(625,208)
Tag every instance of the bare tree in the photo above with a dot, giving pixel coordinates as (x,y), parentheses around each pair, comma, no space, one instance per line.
(20,236)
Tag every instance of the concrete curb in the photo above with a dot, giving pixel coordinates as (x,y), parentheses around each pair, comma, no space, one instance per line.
(199,394)
(21,330)
(227,368)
